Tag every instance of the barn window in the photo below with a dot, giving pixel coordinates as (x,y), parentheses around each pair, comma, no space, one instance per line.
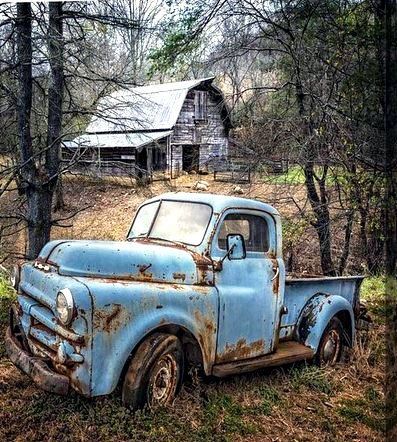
(200,105)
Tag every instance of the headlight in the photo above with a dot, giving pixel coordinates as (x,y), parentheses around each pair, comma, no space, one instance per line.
(14,277)
(65,306)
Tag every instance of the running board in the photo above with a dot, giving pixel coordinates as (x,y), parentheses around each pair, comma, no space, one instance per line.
(286,353)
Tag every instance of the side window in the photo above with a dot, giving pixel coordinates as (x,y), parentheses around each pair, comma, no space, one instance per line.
(253,228)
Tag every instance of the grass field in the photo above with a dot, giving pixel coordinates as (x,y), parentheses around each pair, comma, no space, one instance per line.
(293,403)
(295,176)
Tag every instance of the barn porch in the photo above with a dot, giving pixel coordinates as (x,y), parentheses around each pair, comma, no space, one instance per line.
(137,154)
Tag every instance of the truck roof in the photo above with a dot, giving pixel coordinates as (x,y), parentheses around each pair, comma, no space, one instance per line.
(218,202)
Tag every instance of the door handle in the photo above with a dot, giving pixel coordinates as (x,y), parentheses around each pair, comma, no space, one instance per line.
(276,274)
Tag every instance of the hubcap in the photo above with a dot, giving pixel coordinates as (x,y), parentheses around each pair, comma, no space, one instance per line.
(163,379)
(331,347)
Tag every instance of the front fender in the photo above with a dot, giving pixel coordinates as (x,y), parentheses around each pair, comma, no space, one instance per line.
(138,309)
(316,315)
(128,341)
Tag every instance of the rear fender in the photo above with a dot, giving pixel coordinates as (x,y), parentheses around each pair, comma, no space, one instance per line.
(316,315)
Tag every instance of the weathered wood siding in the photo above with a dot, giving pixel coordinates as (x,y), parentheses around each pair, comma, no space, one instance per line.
(114,159)
(210,135)
(175,158)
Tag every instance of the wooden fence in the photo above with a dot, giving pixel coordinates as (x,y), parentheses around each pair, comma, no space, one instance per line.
(235,173)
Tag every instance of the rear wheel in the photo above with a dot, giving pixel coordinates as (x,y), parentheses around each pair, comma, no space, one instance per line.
(154,373)
(330,349)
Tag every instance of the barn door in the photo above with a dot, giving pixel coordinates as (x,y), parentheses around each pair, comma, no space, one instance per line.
(190,158)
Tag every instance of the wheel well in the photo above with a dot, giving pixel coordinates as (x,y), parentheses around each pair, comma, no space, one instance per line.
(344,317)
(191,347)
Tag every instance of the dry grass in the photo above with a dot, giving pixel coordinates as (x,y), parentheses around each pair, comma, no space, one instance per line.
(294,403)
(301,403)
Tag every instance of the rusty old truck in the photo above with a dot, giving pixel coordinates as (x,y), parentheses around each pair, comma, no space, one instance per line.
(199,282)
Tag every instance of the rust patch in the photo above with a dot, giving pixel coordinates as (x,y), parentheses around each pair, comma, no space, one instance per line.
(201,260)
(206,335)
(276,285)
(276,280)
(203,263)
(202,289)
(241,350)
(271,254)
(110,319)
(69,371)
(204,268)
(144,276)
(143,268)
(181,276)
(176,286)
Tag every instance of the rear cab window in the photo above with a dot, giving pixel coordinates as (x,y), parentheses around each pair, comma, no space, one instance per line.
(257,228)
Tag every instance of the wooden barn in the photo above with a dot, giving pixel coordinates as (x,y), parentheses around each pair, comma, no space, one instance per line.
(166,127)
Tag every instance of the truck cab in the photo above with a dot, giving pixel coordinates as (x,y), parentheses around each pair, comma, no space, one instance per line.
(200,280)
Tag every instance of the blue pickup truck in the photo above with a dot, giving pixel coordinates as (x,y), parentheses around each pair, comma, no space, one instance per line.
(199,282)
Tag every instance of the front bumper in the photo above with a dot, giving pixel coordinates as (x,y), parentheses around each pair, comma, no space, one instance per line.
(35,367)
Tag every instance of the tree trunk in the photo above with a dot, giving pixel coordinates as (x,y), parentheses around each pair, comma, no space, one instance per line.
(289,263)
(59,202)
(387,15)
(390,98)
(28,171)
(39,180)
(55,100)
(346,246)
(24,49)
(39,225)
(55,92)
(319,205)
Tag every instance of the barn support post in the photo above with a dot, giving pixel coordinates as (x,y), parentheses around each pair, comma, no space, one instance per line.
(168,156)
(99,160)
(171,165)
(149,154)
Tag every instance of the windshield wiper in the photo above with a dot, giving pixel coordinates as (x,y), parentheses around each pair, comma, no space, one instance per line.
(142,235)
(156,238)
(163,239)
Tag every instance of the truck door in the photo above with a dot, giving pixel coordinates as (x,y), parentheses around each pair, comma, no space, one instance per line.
(248,303)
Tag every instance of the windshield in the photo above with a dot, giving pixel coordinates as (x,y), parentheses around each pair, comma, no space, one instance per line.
(177,221)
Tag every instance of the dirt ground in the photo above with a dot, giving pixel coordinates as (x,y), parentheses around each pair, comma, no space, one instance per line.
(293,403)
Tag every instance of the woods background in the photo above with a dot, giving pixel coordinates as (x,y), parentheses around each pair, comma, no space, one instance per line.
(314,82)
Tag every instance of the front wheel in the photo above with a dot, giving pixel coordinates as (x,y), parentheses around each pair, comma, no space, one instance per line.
(154,373)
(330,349)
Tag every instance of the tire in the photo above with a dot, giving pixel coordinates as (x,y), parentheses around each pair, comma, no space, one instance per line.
(154,373)
(330,348)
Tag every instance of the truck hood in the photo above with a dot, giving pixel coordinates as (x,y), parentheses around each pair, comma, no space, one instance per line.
(140,260)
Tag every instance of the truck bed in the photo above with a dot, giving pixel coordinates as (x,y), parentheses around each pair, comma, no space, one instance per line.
(298,291)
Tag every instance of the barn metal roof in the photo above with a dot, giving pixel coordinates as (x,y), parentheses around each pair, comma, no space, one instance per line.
(154,107)
(137,139)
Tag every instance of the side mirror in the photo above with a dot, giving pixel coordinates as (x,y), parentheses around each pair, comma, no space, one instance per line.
(236,246)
